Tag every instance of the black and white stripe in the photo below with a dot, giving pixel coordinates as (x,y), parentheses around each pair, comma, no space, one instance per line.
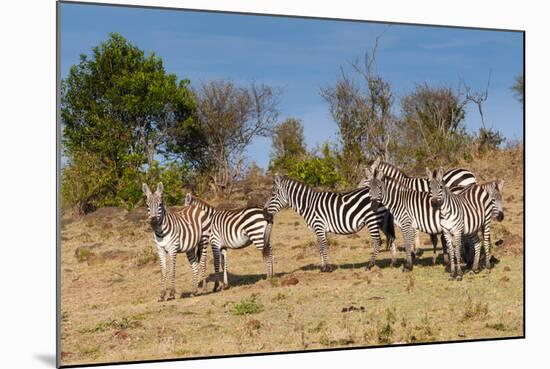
(493,189)
(462,214)
(185,230)
(333,212)
(455,178)
(411,209)
(235,229)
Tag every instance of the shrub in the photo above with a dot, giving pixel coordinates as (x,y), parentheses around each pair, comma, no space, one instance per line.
(248,306)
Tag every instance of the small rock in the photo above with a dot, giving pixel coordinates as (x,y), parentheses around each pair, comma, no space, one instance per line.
(461,334)
(66,354)
(290,281)
(107,225)
(122,334)
(507,268)
(254,324)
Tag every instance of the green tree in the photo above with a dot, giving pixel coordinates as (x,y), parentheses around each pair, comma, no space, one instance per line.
(288,144)
(519,88)
(119,109)
(317,170)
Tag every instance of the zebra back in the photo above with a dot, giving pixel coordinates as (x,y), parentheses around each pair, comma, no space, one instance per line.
(456,178)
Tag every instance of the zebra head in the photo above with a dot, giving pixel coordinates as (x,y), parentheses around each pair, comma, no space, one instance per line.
(369,174)
(377,189)
(279,196)
(155,207)
(437,187)
(496,196)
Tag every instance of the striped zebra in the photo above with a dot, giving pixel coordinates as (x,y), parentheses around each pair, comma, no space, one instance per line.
(235,229)
(455,178)
(174,232)
(462,214)
(327,211)
(411,210)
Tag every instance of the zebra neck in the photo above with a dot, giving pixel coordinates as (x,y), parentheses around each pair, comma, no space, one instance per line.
(160,228)
(294,200)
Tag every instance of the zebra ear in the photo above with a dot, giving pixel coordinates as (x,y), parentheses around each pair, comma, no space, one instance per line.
(500,185)
(375,165)
(429,173)
(160,188)
(368,173)
(146,189)
(188,198)
(440,174)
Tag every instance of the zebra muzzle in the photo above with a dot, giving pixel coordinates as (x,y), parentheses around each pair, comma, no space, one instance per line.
(375,205)
(436,203)
(500,216)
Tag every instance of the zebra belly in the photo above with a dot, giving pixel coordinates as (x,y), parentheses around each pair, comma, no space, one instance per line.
(236,243)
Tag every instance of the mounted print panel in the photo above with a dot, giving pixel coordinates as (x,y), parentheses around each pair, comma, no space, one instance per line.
(242,184)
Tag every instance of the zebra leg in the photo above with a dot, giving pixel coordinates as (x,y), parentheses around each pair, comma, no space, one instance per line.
(375,236)
(224,266)
(487,248)
(268,258)
(162,260)
(172,259)
(476,244)
(323,249)
(216,255)
(433,237)
(191,256)
(203,274)
(451,253)
(444,249)
(393,254)
(409,235)
(457,246)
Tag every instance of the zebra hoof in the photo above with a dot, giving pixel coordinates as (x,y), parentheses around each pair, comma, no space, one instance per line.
(488,271)
(216,285)
(458,277)
(161,299)
(170,298)
(327,268)
(451,278)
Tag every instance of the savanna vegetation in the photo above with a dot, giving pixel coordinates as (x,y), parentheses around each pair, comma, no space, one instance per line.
(126,120)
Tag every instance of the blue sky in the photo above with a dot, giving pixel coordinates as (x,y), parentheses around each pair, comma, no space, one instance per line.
(302,55)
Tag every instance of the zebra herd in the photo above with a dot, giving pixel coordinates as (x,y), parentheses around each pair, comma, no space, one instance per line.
(451,204)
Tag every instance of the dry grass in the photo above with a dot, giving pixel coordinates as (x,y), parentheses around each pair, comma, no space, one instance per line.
(109,307)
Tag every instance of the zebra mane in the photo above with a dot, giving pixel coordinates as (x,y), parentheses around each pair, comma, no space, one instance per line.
(200,202)
(383,166)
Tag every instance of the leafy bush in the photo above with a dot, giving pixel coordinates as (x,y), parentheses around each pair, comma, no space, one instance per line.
(248,306)
(317,170)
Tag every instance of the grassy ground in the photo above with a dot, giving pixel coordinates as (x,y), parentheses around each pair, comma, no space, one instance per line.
(110,282)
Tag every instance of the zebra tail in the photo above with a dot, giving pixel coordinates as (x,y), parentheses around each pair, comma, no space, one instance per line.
(390,228)
(267,234)
(268,216)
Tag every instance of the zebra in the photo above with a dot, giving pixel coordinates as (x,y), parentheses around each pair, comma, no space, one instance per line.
(334,212)
(455,178)
(494,189)
(235,229)
(410,208)
(461,214)
(174,232)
